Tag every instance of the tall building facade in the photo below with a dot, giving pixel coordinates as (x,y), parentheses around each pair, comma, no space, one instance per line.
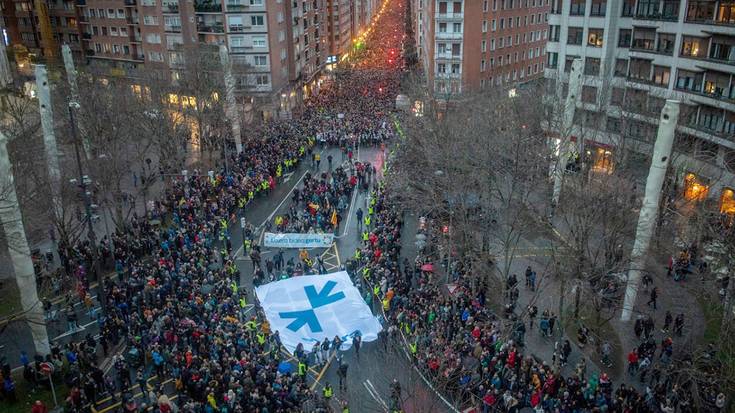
(470,44)
(636,54)
(283,44)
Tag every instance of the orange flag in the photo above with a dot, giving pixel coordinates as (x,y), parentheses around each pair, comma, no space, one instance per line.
(334,218)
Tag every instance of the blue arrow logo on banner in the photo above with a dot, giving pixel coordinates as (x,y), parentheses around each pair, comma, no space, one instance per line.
(316,299)
(301,318)
(323,298)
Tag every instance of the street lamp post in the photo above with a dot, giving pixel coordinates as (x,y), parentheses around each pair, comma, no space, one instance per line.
(88,209)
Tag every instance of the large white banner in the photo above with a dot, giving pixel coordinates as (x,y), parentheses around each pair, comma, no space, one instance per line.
(298,240)
(311,308)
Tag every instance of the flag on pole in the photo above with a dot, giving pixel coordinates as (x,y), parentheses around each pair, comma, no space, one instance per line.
(334,218)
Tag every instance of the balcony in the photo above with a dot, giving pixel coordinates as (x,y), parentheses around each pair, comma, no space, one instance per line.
(240,49)
(86,36)
(172,28)
(450,16)
(238,28)
(171,8)
(237,7)
(135,38)
(211,28)
(81,2)
(130,3)
(449,35)
(133,20)
(89,52)
(706,12)
(207,7)
(83,19)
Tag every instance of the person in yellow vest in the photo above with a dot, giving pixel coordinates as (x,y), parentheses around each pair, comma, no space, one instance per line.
(279,171)
(357,253)
(261,338)
(366,273)
(367,221)
(370,210)
(327,392)
(386,304)
(303,368)
(376,290)
(365,237)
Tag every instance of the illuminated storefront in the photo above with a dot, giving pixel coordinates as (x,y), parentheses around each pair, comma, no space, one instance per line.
(727,201)
(694,188)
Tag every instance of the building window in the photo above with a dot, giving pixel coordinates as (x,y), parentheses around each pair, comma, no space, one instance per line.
(484,26)
(483,46)
(621,67)
(640,69)
(441,68)
(592,66)
(666,43)
(722,48)
(554,33)
(259,41)
(727,201)
(694,188)
(693,46)
(616,96)
(628,7)
(552,60)
(567,63)
(647,8)
(442,27)
(574,35)
(589,94)
(576,8)
(688,80)
(260,61)
(661,75)
(725,13)
(256,20)
(644,39)
(700,10)
(598,8)
(594,38)
(624,37)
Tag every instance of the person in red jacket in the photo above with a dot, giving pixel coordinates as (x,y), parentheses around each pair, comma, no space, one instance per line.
(39,407)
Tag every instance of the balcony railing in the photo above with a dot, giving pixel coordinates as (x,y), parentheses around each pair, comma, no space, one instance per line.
(240,49)
(449,15)
(86,36)
(202,7)
(667,17)
(81,2)
(171,8)
(237,7)
(172,27)
(236,28)
(213,28)
(130,2)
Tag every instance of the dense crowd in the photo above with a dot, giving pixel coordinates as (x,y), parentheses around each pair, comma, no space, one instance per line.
(467,350)
(176,306)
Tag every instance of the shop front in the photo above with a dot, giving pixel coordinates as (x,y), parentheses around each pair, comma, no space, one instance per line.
(696,187)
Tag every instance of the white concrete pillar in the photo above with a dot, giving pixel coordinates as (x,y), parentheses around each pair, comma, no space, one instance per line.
(567,124)
(49,137)
(20,254)
(71,78)
(651,201)
(231,105)
(6,75)
(71,72)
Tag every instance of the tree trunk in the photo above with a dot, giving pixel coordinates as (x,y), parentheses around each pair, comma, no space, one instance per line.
(20,255)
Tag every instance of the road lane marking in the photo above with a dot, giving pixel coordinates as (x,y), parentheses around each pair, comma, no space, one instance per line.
(374,394)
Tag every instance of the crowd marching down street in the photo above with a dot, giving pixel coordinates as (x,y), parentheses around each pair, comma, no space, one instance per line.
(179,309)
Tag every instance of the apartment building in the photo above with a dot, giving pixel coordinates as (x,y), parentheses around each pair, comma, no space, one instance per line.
(284,44)
(636,54)
(40,27)
(469,44)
